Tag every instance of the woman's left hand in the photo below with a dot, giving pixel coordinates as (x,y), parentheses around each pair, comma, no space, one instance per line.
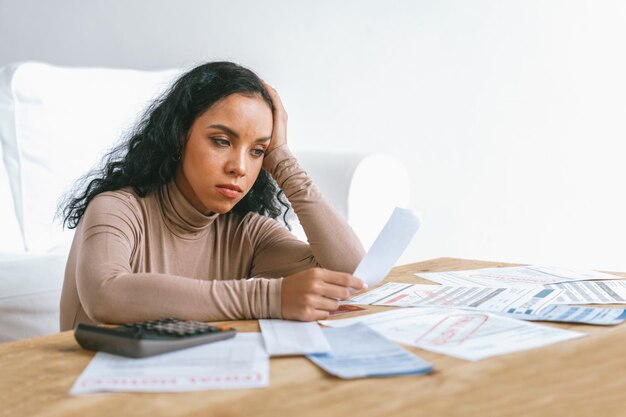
(279,131)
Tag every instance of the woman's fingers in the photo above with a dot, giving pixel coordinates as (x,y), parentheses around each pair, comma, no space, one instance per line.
(307,294)
(320,309)
(336,292)
(278,104)
(279,132)
(325,303)
(345,280)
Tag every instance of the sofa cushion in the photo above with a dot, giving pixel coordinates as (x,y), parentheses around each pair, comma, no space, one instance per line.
(55,125)
(30,291)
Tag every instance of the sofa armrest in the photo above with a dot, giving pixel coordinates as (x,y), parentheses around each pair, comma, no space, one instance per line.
(364,188)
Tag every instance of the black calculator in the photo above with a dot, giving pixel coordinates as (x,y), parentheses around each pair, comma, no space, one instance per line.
(147,338)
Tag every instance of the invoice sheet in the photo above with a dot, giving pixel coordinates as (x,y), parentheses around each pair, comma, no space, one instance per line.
(388,246)
(591,292)
(572,314)
(464,334)
(240,362)
(481,298)
(518,276)
(285,337)
(358,352)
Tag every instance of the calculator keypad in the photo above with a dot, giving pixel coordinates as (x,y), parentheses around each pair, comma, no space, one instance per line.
(171,327)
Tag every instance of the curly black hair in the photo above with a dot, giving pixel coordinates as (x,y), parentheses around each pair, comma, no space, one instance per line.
(149,157)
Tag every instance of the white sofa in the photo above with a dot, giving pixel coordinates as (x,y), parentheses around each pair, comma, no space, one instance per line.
(55,125)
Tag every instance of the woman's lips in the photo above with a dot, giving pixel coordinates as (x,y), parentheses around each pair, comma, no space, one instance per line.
(229,190)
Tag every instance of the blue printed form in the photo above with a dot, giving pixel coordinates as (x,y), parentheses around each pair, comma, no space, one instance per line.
(573,314)
(358,351)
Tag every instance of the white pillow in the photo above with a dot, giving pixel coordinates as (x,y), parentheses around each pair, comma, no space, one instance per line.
(30,292)
(10,235)
(55,125)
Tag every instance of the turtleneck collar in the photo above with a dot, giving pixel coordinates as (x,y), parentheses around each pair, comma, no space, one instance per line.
(183,219)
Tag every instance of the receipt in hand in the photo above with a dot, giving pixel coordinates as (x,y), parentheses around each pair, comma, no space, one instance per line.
(388,246)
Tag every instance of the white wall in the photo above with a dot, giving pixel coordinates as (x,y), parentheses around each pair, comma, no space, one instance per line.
(509,114)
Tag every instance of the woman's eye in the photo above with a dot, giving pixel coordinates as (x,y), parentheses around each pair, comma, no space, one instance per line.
(221,142)
(258,152)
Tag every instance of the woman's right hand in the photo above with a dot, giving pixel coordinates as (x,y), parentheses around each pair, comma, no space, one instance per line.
(279,128)
(314,293)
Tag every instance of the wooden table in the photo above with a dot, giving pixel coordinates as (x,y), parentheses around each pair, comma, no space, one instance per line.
(581,377)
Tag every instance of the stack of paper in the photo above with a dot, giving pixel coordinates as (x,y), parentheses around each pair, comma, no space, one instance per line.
(574,287)
(579,287)
(483,298)
(514,276)
(463,334)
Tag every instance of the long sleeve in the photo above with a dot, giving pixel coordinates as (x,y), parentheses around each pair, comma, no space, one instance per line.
(111,291)
(332,244)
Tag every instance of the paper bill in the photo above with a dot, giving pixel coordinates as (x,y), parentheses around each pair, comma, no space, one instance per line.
(518,276)
(591,292)
(240,362)
(285,337)
(470,335)
(481,298)
(572,314)
(358,352)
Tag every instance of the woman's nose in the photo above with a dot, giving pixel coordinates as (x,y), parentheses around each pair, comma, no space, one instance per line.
(237,164)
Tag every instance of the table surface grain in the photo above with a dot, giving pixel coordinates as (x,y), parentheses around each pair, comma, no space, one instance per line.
(580,377)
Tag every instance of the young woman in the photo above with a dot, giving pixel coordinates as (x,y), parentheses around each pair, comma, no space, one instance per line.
(180,221)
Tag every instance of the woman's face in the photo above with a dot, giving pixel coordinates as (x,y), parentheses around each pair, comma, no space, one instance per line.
(224,153)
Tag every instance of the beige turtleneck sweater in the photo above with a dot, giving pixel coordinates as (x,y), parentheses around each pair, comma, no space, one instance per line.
(135,258)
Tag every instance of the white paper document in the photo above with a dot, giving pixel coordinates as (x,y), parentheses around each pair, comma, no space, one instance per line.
(358,352)
(470,335)
(481,298)
(240,362)
(515,276)
(388,246)
(573,314)
(285,337)
(591,292)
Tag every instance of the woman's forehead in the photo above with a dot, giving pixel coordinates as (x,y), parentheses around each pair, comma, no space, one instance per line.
(240,111)
(241,105)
